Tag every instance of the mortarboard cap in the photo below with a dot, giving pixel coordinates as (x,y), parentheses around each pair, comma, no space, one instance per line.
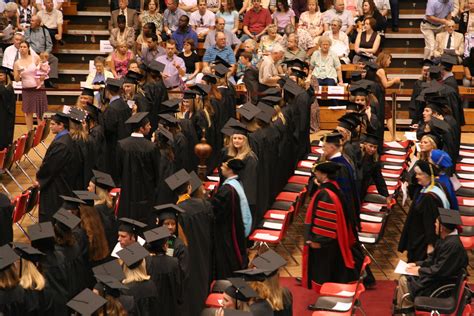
(220,60)
(327,167)
(232,126)
(60,117)
(156,66)
(133,254)
(221,70)
(66,218)
(240,290)
(194,181)
(86,196)
(269,261)
(76,114)
(87,91)
(130,225)
(448,60)
(292,87)
(266,112)
(439,125)
(449,218)
(111,268)
(356,76)
(92,111)
(5,70)
(248,111)
(296,63)
(235,164)
(427,167)
(272,91)
(177,179)
(298,73)
(435,106)
(427,63)
(86,302)
(172,103)
(332,138)
(71,203)
(134,75)
(210,78)
(437,139)
(27,252)
(157,234)
(41,231)
(102,179)
(349,121)
(168,211)
(434,69)
(271,100)
(202,89)
(112,286)
(137,120)
(7,257)
(168,118)
(190,94)
(371,139)
(163,131)
(113,84)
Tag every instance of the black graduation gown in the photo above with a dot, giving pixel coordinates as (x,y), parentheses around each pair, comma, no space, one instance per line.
(180,252)
(371,172)
(352,151)
(181,152)
(272,139)
(456,129)
(138,167)
(441,267)
(419,230)
(6,210)
(286,156)
(451,81)
(287,304)
(415,108)
(115,129)
(56,175)
(261,308)
(56,273)
(12,301)
(165,273)
(38,303)
(454,103)
(145,297)
(78,273)
(193,135)
(97,138)
(84,151)
(109,223)
(230,244)
(164,194)
(196,223)
(156,94)
(7,115)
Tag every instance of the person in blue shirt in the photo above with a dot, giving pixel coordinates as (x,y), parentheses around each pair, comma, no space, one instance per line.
(219,50)
(183,32)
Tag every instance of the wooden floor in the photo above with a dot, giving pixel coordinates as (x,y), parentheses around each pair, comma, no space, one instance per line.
(385,253)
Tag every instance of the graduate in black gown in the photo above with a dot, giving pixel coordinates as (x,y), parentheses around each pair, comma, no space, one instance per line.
(7,109)
(258,304)
(138,281)
(138,166)
(164,271)
(230,244)
(155,91)
(38,301)
(96,136)
(443,266)
(12,295)
(418,237)
(115,115)
(415,108)
(6,210)
(180,143)
(58,170)
(110,287)
(164,141)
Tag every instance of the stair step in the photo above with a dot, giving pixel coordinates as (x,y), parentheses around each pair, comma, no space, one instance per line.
(74,68)
(407,52)
(405,32)
(95,11)
(83,29)
(84,49)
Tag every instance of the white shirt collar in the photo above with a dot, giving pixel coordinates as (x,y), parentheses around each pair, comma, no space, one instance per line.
(137,135)
(338,154)
(453,233)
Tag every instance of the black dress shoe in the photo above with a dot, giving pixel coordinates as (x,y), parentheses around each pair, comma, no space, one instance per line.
(312,307)
(395,29)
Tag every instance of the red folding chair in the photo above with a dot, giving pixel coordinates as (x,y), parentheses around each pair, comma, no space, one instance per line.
(115,194)
(28,145)
(37,138)
(20,203)
(46,131)
(464,167)
(402,144)
(3,153)
(19,151)
(8,163)
(465,201)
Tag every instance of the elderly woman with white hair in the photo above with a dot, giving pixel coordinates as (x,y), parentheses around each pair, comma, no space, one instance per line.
(8,17)
(340,40)
(325,64)
(270,68)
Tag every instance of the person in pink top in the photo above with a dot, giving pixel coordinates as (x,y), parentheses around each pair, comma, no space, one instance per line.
(283,15)
(42,70)
(120,59)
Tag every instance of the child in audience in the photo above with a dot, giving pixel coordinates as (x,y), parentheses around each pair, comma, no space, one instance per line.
(42,70)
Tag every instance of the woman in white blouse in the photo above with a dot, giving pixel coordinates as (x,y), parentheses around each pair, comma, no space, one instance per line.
(340,40)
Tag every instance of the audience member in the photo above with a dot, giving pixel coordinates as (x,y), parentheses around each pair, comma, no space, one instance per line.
(122,33)
(142,40)
(230,15)
(40,41)
(325,64)
(202,20)
(99,75)
(52,20)
(270,68)
(250,47)
(231,38)
(11,53)
(42,70)
(188,5)
(220,50)
(311,20)
(152,14)
(256,21)
(174,66)
(120,59)
(369,10)
(292,49)
(152,50)
(340,41)
(131,16)
(213,5)
(283,15)
(338,11)
(383,6)
(191,61)
(171,17)
(248,73)
(184,32)
(437,15)
(57,4)
(25,12)
(8,17)
(305,41)
(468,63)
(465,24)
(271,38)
(451,41)
(367,43)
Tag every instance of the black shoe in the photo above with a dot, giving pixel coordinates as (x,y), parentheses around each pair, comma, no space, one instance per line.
(395,29)
(298,280)
(312,307)
(50,84)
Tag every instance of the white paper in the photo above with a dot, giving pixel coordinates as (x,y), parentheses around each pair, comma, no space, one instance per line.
(337,107)
(391,183)
(466,147)
(467,184)
(391,167)
(393,144)
(468,202)
(272,225)
(263,236)
(410,136)
(369,218)
(341,306)
(464,153)
(306,164)
(467,168)
(389,175)
(418,148)
(302,173)
(455,182)
(395,160)
(469,161)
(402,268)
(469,176)
(313,158)
(17,85)
(336,90)
(368,240)
(130,103)
(105,47)
(395,152)
(372,207)
(117,247)
(277,216)
(345,293)
(213,178)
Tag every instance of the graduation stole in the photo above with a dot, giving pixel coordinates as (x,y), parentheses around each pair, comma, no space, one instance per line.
(181,233)
(183,197)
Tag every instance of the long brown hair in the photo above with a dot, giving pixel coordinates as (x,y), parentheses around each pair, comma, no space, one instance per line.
(9,277)
(92,224)
(77,131)
(382,59)
(114,307)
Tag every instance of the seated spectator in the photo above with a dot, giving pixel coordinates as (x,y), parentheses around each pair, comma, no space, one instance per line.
(468,63)
(283,15)
(147,30)
(250,46)
(292,49)
(230,15)
(271,38)
(351,6)
(202,20)
(465,24)
(369,10)
(325,65)
(120,59)
(10,54)
(340,41)
(8,17)
(184,31)
(152,14)
(249,75)
(174,66)
(367,42)
(213,5)
(311,20)
(449,40)
(383,6)
(40,41)
(305,41)
(122,33)
(25,12)
(338,11)
(231,38)
(219,50)
(171,17)
(152,50)
(131,16)
(256,21)
(57,4)
(437,14)
(99,75)
(52,20)
(189,6)
(191,61)
(270,69)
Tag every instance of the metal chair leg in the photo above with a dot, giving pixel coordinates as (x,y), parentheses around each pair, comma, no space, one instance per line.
(31,162)
(33,219)
(14,180)
(4,188)
(44,145)
(295,243)
(37,152)
(22,230)
(373,260)
(289,253)
(23,170)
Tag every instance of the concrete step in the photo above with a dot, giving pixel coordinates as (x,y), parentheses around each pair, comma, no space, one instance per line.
(83,29)
(80,49)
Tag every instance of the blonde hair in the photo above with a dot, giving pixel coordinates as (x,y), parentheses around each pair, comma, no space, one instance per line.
(137,274)
(9,277)
(77,131)
(243,152)
(426,156)
(276,293)
(278,115)
(262,290)
(104,197)
(31,278)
